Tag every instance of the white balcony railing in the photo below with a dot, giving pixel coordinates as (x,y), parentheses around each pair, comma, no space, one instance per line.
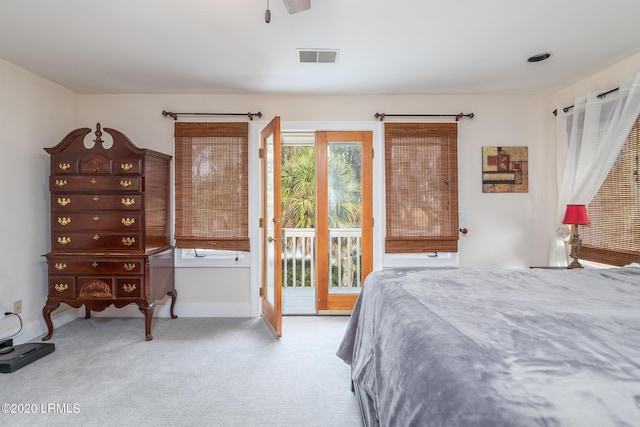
(299,257)
(299,269)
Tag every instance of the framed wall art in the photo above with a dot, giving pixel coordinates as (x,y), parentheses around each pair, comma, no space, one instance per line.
(505,170)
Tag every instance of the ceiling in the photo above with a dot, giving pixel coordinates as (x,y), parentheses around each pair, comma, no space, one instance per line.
(386,47)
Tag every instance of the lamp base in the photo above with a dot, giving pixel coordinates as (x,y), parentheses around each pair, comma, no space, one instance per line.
(575,264)
(576,247)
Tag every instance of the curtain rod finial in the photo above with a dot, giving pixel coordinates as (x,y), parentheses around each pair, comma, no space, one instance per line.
(170,114)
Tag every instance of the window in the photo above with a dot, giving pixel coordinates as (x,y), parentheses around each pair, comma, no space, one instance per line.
(211,186)
(421,176)
(613,237)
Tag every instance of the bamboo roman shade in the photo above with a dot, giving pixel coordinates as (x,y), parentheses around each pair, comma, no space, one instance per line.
(211,185)
(613,237)
(421,176)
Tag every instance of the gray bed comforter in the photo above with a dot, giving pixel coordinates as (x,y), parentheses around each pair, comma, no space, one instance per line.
(498,347)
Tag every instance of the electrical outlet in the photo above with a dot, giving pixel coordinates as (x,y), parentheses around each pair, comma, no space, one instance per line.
(3,309)
(17,306)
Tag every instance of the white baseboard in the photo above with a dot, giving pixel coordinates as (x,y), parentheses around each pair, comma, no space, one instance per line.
(208,310)
(181,310)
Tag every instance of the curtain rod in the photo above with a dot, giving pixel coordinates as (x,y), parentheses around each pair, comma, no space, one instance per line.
(175,115)
(600,96)
(381,116)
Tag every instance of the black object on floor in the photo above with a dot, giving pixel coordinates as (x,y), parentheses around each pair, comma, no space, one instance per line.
(17,356)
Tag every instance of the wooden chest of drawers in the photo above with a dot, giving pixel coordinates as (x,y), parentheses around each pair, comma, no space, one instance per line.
(109,226)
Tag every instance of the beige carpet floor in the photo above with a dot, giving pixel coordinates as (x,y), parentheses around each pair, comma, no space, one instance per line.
(195,372)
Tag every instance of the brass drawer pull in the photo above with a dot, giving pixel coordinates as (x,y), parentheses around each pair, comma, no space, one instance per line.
(124,183)
(93,180)
(96,217)
(129,266)
(94,264)
(128,202)
(64,166)
(96,198)
(128,287)
(126,166)
(128,241)
(61,182)
(128,222)
(96,237)
(64,240)
(63,220)
(60,265)
(64,201)
(61,287)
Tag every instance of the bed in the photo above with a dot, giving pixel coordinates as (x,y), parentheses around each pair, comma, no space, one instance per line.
(497,347)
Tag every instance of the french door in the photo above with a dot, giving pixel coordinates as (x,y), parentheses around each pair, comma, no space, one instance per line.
(344,217)
(271,223)
(343,222)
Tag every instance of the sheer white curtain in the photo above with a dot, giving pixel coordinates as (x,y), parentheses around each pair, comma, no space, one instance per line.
(590,137)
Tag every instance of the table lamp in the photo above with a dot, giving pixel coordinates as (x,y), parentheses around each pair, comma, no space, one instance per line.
(575,215)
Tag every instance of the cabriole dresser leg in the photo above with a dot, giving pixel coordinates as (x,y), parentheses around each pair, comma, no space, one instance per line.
(174,295)
(147,309)
(46,313)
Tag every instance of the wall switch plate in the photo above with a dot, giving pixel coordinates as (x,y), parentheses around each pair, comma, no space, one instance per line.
(17,306)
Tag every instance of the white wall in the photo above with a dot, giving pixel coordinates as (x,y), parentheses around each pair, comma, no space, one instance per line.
(34,113)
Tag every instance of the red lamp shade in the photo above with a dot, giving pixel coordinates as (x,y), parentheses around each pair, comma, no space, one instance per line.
(576,214)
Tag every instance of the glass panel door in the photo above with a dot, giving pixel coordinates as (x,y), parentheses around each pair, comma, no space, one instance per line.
(271,291)
(344,217)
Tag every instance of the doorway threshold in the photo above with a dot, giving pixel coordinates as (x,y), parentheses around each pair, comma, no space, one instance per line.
(299,300)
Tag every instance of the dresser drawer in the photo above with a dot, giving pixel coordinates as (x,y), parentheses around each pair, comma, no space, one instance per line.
(107,202)
(95,164)
(96,288)
(73,265)
(129,287)
(96,241)
(62,286)
(91,183)
(127,167)
(98,221)
(65,166)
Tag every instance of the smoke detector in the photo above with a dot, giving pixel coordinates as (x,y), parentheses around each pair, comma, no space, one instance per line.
(318,56)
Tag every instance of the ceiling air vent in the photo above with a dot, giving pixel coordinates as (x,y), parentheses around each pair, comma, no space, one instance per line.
(317,56)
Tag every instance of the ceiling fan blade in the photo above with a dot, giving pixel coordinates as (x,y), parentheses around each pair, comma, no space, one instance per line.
(295,6)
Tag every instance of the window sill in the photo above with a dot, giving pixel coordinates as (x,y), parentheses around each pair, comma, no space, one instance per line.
(187,258)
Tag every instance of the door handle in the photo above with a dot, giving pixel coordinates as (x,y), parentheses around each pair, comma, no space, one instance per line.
(271,239)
